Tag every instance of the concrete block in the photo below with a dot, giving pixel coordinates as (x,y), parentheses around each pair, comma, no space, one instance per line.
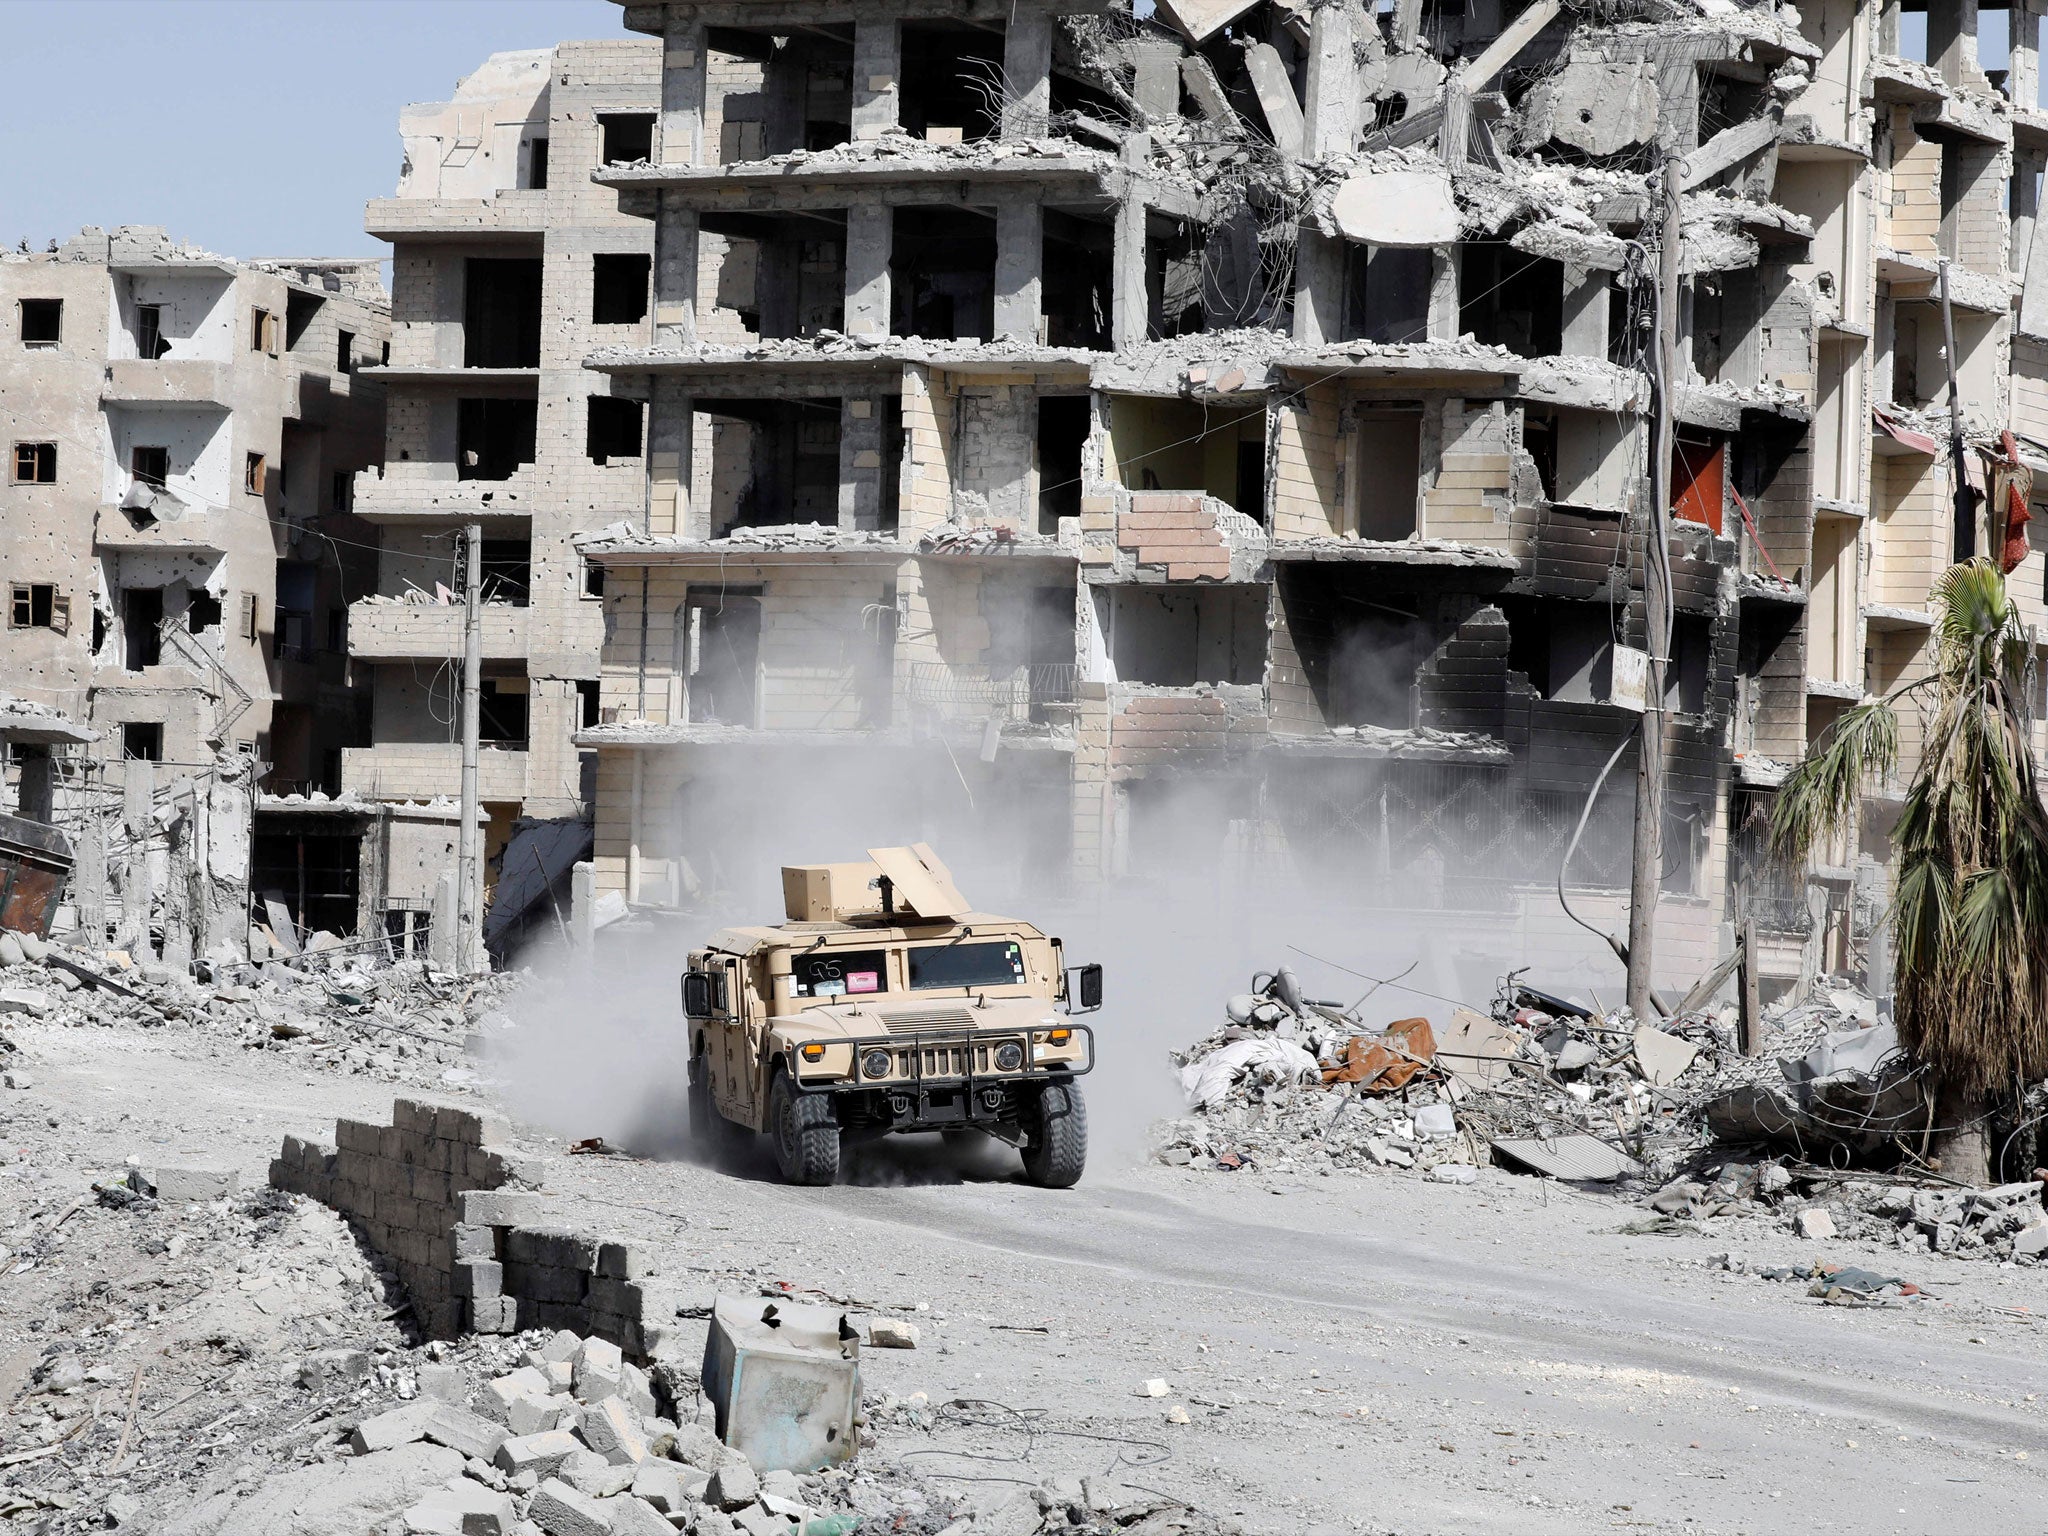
(501,1208)
(546,1248)
(456,1427)
(561,1287)
(657,1483)
(613,1430)
(537,1415)
(472,1242)
(1815,1223)
(2030,1242)
(493,1315)
(560,1510)
(630,1517)
(190,1186)
(388,1431)
(589,1473)
(480,1279)
(622,1261)
(732,1487)
(357,1136)
(598,1365)
(501,1392)
(539,1453)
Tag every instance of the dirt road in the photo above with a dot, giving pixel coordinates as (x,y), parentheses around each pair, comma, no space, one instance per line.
(1353,1353)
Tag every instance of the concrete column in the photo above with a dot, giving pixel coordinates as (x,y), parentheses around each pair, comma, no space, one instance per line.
(683,89)
(1332,82)
(1318,286)
(1020,269)
(676,243)
(583,905)
(1952,39)
(178,910)
(877,66)
(1443,294)
(1027,74)
(2026,202)
(670,429)
(2023,67)
(89,880)
(138,787)
(870,239)
(1155,76)
(1130,301)
(1585,315)
(860,463)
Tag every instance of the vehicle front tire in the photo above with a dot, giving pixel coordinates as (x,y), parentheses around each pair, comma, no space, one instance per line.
(805,1132)
(1057,1128)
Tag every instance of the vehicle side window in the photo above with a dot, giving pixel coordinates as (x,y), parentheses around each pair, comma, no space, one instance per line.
(840,972)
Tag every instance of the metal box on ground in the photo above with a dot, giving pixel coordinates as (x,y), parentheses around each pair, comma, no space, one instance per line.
(785,1382)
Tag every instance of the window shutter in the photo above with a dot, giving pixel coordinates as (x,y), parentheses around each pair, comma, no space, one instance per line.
(60,614)
(248,615)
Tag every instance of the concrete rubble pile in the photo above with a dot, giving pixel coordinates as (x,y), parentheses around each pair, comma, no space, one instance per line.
(1293,1082)
(342,1010)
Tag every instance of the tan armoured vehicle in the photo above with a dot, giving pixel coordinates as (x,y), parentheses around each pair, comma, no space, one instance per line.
(884,1005)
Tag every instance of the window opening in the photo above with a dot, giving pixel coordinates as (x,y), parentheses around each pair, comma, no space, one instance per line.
(42,322)
(618,288)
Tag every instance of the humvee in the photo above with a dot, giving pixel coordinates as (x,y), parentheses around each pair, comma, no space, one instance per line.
(884,1005)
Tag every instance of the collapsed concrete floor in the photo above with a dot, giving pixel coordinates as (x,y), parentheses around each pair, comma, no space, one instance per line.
(1350,1354)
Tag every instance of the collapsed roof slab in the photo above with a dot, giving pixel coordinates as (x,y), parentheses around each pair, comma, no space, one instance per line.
(796,14)
(1437,553)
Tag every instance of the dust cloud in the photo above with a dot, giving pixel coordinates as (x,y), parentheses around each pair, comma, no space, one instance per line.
(599,1048)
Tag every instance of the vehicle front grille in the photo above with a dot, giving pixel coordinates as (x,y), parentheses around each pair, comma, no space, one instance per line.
(914,1021)
(949,1058)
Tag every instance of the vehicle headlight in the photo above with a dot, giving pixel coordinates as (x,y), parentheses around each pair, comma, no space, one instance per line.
(875,1064)
(1009,1057)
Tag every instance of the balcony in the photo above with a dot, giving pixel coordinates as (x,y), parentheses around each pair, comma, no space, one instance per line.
(401,494)
(424,770)
(1029,695)
(169,381)
(511,212)
(388,631)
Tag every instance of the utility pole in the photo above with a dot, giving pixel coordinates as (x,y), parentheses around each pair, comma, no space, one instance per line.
(1646,877)
(468,920)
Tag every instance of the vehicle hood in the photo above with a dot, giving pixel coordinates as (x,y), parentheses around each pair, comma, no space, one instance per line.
(950,1016)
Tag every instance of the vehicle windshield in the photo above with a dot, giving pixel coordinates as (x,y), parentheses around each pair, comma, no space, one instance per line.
(838,972)
(996,964)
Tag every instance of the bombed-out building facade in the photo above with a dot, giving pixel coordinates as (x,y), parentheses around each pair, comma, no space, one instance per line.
(183,433)
(1218,441)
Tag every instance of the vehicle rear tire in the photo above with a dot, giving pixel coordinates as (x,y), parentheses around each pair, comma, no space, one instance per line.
(805,1132)
(1057,1128)
(714,1135)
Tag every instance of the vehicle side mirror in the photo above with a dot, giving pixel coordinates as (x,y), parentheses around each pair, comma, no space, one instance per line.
(1090,988)
(697,995)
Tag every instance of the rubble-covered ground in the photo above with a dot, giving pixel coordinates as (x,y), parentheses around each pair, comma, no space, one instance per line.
(1287,1348)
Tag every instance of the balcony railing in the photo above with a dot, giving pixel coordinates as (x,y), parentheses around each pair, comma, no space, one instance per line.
(293,639)
(1034,694)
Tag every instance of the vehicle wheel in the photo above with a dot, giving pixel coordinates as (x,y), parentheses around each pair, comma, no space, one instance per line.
(1058,1129)
(806,1134)
(714,1135)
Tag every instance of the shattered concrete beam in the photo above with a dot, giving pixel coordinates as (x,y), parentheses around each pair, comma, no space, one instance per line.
(1504,49)
(1276,98)
(1731,146)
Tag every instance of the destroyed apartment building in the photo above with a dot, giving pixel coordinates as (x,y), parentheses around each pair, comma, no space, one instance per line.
(1210,443)
(183,432)
(1218,440)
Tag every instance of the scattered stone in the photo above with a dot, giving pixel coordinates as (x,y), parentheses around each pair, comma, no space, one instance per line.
(732,1487)
(28,1000)
(561,1510)
(892,1333)
(388,1431)
(630,1517)
(539,1454)
(1814,1223)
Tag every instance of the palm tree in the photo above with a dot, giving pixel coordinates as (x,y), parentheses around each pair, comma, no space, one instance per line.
(1970,900)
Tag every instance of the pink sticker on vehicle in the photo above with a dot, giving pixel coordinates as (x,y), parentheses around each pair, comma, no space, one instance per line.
(863,981)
